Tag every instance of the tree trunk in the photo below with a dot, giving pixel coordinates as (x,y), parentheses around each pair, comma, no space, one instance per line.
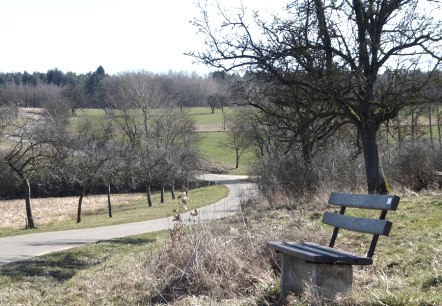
(376,182)
(162,194)
(399,132)
(149,195)
(172,190)
(415,114)
(27,190)
(80,201)
(439,127)
(307,156)
(109,203)
(430,127)
(237,159)
(29,217)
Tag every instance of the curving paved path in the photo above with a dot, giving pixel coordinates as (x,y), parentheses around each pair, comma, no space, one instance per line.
(18,248)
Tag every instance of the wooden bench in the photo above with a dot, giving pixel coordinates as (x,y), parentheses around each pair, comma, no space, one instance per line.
(325,270)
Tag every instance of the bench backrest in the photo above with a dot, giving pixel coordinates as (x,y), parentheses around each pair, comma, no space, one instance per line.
(377,227)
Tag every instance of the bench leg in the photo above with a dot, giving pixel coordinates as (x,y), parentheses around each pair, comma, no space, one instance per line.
(325,281)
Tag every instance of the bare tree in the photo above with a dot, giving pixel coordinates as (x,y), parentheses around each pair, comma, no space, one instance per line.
(26,153)
(238,135)
(83,158)
(175,132)
(337,51)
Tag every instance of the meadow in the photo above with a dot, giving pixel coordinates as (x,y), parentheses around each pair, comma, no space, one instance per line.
(226,262)
(211,133)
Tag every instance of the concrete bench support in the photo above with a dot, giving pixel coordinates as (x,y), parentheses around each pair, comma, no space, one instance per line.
(324,281)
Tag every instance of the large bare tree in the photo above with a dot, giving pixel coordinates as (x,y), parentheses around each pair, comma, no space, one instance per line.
(26,152)
(337,50)
(153,134)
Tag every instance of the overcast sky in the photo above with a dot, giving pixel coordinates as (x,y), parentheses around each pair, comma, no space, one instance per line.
(120,35)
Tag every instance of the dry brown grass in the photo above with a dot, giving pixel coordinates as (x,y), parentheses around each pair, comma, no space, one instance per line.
(50,210)
(219,263)
(227,262)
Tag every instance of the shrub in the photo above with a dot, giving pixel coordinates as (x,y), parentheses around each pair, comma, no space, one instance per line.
(207,261)
(415,164)
(340,167)
(225,260)
(9,184)
(334,167)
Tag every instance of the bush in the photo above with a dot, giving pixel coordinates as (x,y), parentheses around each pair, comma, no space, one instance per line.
(208,262)
(282,174)
(340,167)
(228,260)
(335,167)
(414,165)
(10,185)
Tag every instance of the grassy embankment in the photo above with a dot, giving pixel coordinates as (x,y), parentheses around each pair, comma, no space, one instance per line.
(228,264)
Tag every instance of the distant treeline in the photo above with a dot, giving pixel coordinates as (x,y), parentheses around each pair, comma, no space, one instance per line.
(94,89)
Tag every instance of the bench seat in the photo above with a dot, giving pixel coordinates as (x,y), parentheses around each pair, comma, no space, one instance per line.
(315,253)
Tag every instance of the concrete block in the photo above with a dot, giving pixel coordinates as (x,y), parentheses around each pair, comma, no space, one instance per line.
(324,280)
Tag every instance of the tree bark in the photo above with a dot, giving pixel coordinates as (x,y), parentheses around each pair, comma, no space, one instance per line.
(439,127)
(430,123)
(162,194)
(80,202)
(149,195)
(172,190)
(399,132)
(237,158)
(413,125)
(376,182)
(29,217)
(109,203)
(307,156)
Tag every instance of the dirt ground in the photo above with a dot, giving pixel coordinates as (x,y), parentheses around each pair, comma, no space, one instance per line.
(48,210)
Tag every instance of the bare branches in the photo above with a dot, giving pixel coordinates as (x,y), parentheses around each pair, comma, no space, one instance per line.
(331,53)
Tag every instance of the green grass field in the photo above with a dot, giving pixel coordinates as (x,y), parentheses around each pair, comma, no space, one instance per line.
(209,127)
(211,148)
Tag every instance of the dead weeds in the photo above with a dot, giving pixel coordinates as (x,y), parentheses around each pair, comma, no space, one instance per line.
(52,210)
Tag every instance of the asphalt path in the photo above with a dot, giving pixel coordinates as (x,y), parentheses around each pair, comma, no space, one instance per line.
(23,247)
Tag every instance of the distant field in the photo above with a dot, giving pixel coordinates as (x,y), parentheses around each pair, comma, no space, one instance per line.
(210,128)
(211,148)
(205,121)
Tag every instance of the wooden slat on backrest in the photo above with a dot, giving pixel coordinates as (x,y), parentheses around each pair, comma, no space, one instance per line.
(366,201)
(362,225)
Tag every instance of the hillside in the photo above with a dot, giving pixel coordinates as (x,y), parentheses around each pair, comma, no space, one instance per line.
(228,263)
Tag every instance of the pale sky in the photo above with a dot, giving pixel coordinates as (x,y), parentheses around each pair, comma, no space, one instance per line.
(80,35)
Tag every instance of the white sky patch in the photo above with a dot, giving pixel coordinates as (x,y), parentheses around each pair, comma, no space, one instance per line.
(120,35)
(80,35)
